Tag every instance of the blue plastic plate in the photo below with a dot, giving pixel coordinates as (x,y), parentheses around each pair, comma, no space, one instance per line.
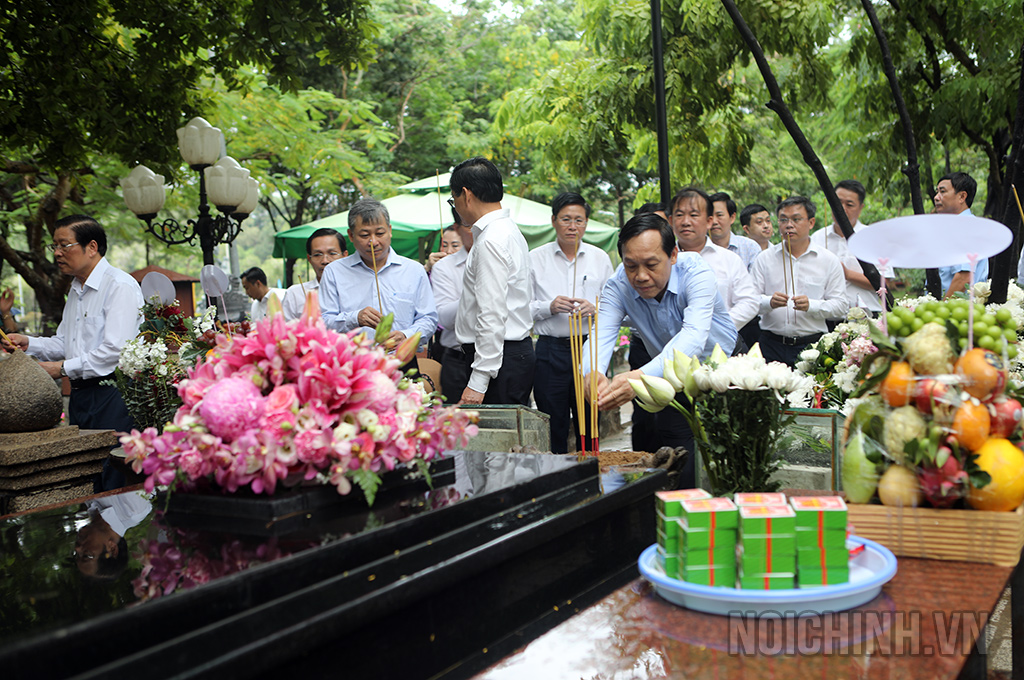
(869,571)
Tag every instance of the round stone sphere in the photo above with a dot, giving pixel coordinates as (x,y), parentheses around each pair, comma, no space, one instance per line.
(30,400)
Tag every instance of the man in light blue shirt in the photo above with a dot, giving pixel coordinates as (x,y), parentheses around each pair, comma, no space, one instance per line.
(672,299)
(954,194)
(349,298)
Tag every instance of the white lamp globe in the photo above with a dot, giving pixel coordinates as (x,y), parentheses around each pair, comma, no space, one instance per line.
(143,191)
(252,198)
(227,184)
(200,143)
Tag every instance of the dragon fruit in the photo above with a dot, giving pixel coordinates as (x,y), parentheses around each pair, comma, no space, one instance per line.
(943,485)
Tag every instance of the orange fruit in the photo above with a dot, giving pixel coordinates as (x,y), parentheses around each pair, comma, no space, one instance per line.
(1004,463)
(898,386)
(982,373)
(971,424)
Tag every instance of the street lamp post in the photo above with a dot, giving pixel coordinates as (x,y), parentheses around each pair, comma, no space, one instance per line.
(222,180)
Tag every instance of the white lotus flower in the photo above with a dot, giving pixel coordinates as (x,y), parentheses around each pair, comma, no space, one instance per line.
(660,390)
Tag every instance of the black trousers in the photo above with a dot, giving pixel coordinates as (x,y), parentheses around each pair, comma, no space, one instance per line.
(773,348)
(513,383)
(100,407)
(553,389)
(668,427)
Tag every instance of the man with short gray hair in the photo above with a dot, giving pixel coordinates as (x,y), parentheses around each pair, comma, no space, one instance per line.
(349,294)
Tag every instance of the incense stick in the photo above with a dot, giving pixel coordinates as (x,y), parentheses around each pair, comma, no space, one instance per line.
(575,259)
(576,352)
(1019,209)
(376,282)
(595,432)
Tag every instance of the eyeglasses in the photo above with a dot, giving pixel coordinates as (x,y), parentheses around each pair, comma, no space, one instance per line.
(787,220)
(566,221)
(451,202)
(329,253)
(54,247)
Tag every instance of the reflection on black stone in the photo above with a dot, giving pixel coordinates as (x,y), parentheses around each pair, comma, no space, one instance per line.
(74,563)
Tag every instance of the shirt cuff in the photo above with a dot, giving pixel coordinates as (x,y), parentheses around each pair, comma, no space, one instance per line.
(479,381)
(73,368)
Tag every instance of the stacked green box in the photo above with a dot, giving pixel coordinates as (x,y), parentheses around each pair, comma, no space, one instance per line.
(822,557)
(742,499)
(708,552)
(767,547)
(667,510)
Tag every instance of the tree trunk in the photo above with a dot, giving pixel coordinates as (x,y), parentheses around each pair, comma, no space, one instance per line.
(1003,264)
(777,104)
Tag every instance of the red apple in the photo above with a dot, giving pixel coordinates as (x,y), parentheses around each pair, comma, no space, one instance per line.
(928,392)
(1006,416)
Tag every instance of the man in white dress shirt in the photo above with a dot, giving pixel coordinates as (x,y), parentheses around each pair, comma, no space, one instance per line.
(723,216)
(859,291)
(567,276)
(323,247)
(446,282)
(801,285)
(254,282)
(493,322)
(101,314)
(691,219)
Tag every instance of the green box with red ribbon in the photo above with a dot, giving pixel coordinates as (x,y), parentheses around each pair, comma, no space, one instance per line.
(719,575)
(669,503)
(759,563)
(817,558)
(767,581)
(810,578)
(819,512)
(713,514)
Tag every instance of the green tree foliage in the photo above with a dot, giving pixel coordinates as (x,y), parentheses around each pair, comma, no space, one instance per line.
(88,78)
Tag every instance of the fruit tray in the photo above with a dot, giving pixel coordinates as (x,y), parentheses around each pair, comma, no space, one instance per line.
(960,535)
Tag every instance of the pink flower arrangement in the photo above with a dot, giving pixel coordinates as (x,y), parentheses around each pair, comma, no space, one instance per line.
(293,402)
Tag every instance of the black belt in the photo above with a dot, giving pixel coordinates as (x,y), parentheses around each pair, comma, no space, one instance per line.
(554,339)
(89,382)
(792,342)
(470,348)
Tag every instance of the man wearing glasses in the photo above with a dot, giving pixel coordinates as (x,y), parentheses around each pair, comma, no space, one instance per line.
(101,314)
(493,321)
(801,285)
(567,277)
(323,247)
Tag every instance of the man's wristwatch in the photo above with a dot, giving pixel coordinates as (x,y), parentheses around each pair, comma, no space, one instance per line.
(63,373)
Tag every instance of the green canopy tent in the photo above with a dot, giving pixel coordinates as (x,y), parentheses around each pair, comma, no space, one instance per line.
(417,217)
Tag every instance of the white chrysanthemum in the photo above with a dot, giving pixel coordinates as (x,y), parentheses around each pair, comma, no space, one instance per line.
(810,354)
(856,314)
(778,376)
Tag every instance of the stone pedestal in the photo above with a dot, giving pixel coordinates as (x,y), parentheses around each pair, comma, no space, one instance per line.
(51,466)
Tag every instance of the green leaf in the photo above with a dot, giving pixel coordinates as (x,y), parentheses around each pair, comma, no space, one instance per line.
(368,481)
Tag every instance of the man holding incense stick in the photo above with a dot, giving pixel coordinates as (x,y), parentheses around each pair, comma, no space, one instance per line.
(493,322)
(801,285)
(101,314)
(672,298)
(358,291)
(567,277)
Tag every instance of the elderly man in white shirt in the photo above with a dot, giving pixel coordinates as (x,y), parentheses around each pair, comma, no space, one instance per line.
(101,315)
(691,219)
(801,285)
(493,322)
(323,247)
(859,291)
(567,276)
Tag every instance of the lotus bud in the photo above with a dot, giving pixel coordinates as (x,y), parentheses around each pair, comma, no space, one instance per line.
(755,351)
(661,391)
(642,395)
(671,375)
(384,328)
(407,349)
(311,311)
(273,306)
(718,356)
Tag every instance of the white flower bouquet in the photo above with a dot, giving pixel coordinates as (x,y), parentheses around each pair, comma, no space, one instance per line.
(736,410)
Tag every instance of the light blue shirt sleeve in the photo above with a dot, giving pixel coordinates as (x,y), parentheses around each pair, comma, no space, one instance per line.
(330,301)
(424,311)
